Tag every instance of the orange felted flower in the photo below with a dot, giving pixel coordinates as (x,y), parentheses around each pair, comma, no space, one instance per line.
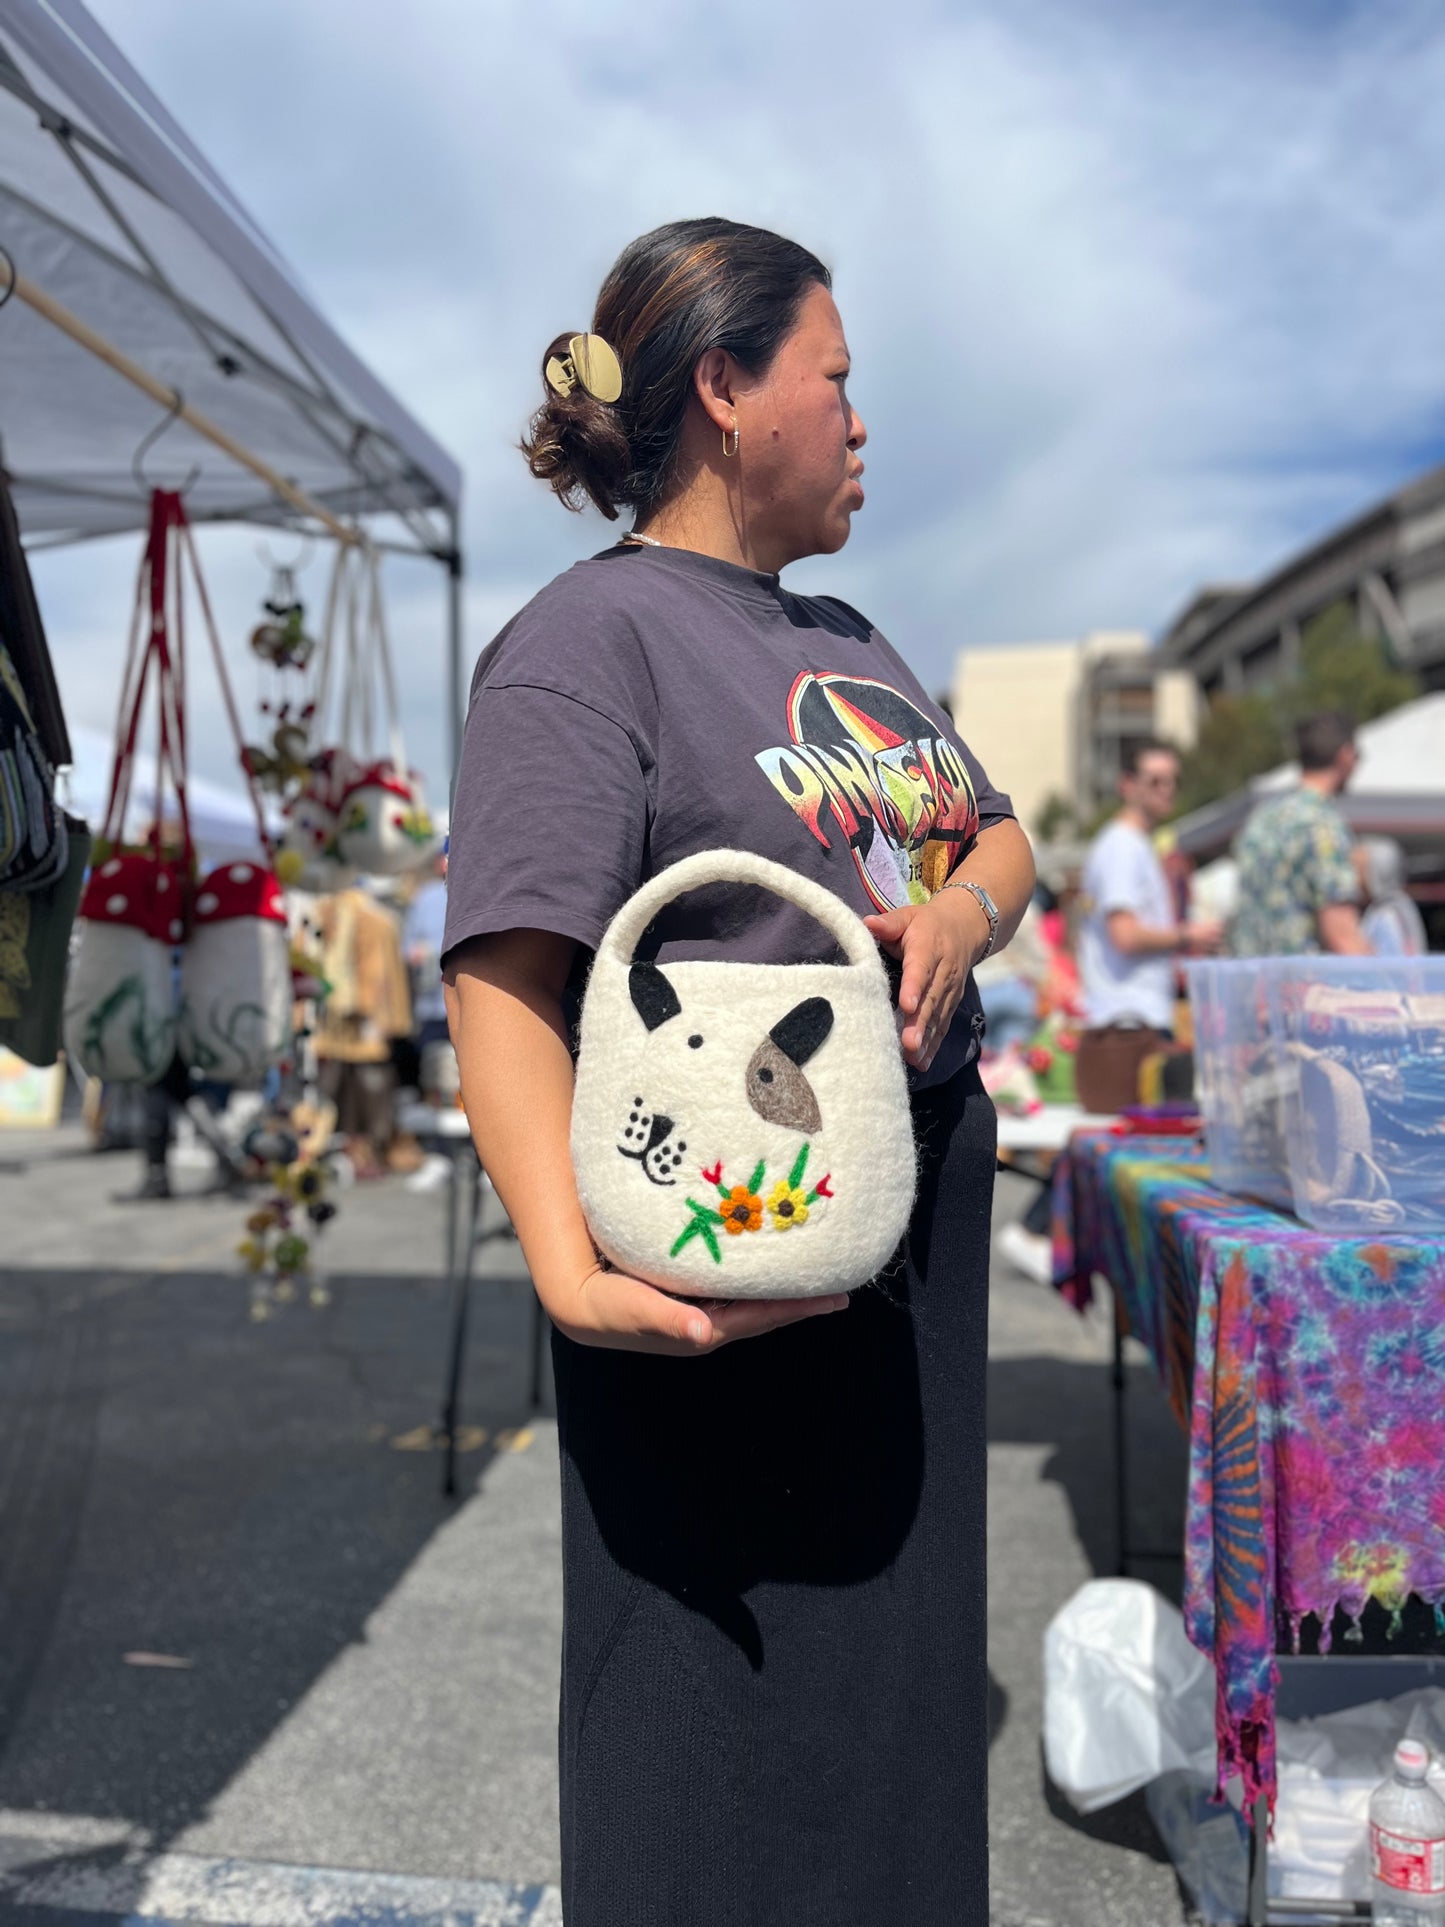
(742,1210)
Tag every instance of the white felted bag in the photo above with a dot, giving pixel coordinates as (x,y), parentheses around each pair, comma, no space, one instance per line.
(720,1104)
(120,1000)
(235,1016)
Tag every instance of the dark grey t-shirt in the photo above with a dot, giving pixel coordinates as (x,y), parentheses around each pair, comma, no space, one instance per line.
(654,702)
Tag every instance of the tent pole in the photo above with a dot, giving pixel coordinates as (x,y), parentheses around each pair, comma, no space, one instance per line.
(97,345)
(455,582)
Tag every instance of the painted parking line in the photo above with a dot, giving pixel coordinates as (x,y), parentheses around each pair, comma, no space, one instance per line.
(57,1882)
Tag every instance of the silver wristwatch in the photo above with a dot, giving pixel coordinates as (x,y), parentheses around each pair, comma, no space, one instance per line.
(986,904)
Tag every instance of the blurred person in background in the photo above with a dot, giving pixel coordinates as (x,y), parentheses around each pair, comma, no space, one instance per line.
(367,1007)
(1298,887)
(1131,935)
(1392,925)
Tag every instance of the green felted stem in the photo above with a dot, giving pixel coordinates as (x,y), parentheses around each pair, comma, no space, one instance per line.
(800,1165)
(756,1180)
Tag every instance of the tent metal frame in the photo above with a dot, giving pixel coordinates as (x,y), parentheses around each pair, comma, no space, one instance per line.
(356,443)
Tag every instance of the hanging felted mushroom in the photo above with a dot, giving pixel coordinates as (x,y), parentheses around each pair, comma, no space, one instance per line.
(120,1020)
(383,824)
(235,1018)
(120,995)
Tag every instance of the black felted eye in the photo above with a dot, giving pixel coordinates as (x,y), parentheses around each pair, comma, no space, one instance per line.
(694,1042)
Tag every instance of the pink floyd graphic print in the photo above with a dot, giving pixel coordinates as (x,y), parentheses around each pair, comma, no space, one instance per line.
(866,769)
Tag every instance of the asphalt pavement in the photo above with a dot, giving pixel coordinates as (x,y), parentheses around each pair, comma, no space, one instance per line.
(255,1667)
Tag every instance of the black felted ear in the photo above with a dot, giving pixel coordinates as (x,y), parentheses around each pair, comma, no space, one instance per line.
(653,997)
(805,1027)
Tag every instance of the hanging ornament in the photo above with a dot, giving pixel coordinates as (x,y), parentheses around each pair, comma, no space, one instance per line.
(282,1234)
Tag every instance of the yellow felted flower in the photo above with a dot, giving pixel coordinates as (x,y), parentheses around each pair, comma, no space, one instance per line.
(787,1206)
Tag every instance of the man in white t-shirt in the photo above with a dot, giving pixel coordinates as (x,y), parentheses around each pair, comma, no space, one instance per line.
(1131,935)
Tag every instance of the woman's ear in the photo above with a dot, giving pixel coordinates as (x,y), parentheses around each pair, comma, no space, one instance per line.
(715,380)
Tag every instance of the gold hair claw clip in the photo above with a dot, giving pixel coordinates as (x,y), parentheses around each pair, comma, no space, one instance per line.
(590,363)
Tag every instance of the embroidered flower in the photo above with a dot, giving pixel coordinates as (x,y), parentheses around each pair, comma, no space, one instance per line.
(742,1210)
(787,1206)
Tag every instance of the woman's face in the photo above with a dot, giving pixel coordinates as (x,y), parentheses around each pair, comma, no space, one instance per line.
(798,464)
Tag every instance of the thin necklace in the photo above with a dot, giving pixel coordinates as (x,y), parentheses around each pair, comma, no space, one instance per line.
(633,535)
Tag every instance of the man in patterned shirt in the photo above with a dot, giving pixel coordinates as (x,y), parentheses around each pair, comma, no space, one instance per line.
(1298,889)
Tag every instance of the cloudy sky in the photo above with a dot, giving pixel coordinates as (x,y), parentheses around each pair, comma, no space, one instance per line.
(1140,293)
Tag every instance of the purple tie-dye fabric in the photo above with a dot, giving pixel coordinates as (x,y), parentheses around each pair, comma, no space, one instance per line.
(1309,1372)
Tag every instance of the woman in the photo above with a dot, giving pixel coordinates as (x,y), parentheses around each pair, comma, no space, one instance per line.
(774,1690)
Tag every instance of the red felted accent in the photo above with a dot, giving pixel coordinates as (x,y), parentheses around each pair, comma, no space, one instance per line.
(239,890)
(134,890)
(381,776)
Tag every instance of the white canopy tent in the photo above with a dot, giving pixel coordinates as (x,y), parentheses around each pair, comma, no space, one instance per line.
(136,294)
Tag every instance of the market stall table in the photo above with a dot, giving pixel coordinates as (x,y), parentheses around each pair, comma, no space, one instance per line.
(1309,1373)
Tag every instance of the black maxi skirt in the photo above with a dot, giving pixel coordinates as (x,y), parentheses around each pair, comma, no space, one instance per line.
(774,1681)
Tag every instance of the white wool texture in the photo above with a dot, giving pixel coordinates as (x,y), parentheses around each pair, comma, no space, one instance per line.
(235,1015)
(632,1080)
(370,838)
(120,1007)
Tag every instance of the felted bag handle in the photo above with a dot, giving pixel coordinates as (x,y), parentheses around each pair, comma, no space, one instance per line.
(741,866)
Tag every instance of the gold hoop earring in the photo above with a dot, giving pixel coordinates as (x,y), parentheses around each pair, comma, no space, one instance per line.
(737,435)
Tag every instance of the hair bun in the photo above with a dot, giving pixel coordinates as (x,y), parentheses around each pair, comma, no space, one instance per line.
(576,443)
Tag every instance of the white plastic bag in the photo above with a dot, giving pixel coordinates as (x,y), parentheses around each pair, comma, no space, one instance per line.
(1126,1697)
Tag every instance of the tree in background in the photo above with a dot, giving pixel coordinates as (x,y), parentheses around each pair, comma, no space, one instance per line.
(1343,669)
(1240,737)
(1243,736)
(1056,818)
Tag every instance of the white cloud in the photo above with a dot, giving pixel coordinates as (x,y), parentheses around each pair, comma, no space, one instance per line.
(1138,296)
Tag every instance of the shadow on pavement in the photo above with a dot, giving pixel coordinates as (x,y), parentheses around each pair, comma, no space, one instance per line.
(179,1481)
(1068,1405)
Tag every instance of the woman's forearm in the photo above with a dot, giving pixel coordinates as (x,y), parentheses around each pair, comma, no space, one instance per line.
(1001,862)
(510,1037)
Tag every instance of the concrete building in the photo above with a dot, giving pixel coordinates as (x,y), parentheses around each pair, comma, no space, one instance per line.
(1053,718)
(1388,563)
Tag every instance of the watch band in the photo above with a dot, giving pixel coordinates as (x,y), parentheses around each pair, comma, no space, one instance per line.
(985,903)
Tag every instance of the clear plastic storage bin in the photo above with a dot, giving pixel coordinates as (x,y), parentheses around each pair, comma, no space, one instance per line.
(1321,1082)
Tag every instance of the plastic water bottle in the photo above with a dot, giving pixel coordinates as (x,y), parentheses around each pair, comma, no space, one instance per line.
(1407,1845)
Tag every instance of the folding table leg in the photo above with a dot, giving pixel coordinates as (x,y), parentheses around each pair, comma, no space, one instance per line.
(1121,1443)
(1258,1906)
(461,1297)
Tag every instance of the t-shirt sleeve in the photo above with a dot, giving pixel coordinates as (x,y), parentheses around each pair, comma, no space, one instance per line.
(993,805)
(1329,874)
(1120,878)
(550,822)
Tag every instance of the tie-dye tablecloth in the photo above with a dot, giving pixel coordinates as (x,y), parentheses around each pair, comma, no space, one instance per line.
(1309,1373)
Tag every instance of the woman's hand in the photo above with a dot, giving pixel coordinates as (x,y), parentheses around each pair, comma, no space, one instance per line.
(610,1309)
(939,942)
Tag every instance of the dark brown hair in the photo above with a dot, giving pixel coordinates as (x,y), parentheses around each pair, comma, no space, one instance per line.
(670,297)
(1321,737)
(1137,748)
